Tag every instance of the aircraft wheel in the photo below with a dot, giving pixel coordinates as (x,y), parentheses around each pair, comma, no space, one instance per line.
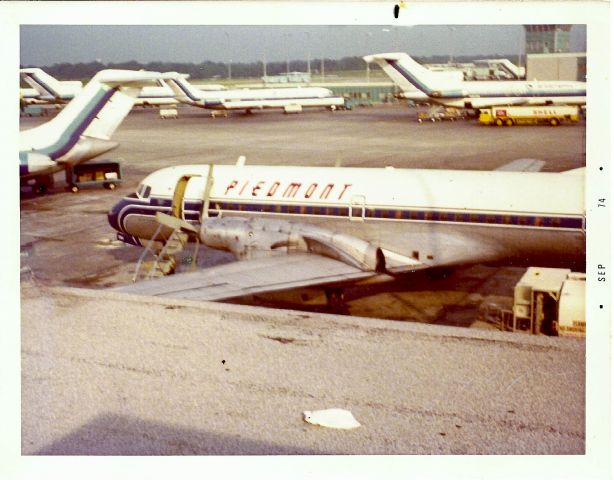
(335,299)
(499,122)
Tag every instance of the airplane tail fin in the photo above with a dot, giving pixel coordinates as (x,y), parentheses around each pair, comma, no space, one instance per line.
(409,74)
(183,90)
(95,112)
(47,86)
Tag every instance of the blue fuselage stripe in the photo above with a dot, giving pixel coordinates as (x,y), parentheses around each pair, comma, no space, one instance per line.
(213,103)
(192,209)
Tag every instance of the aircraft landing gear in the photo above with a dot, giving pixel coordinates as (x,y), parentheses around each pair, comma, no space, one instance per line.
(39,185)
(335,299)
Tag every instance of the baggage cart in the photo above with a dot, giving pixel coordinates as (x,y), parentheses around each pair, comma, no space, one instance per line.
(97,173)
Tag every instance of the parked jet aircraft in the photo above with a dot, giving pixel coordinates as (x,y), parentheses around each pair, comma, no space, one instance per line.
(419,97)
(408,74)
(304,226)
(29,96)
(50,90)
(82,130)
(255,99)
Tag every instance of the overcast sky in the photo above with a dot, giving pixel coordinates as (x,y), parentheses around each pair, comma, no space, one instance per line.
(48,44)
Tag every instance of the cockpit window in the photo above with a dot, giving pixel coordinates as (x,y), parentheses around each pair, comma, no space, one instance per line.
(143,191)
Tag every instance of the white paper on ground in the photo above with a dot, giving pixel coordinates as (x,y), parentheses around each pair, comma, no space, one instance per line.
(331,418)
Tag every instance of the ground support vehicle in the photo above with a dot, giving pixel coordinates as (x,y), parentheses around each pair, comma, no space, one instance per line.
(166,113)
(549,114)
(105,173)
(438,115)
(548,301)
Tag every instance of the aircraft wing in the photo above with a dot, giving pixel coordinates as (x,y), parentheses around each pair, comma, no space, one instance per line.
(248,277)
(522,165)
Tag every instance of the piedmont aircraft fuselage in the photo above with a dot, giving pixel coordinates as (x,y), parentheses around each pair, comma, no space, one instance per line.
(409,74)
(432,217)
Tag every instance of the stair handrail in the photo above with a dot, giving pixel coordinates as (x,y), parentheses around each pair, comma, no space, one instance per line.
(145,252)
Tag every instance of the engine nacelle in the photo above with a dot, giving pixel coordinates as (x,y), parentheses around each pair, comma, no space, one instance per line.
(256,237)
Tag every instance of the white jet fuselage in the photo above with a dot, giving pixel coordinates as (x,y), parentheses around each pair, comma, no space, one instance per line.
(408,74)
(439,217)
(255,99)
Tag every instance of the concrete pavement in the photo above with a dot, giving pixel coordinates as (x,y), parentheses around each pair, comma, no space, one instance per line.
(113,374)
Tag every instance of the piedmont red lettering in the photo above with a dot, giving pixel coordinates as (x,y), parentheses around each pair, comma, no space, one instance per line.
(292,189)
(230,186)
(346,185)
(273,189)
(257,187)
(310,189)
(326,192)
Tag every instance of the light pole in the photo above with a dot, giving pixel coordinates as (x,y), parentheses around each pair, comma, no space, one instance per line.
(520,46)
(322,66)
(308,54)
(264,65)
(288,36)
(230,61)
(451,45)
(368,35)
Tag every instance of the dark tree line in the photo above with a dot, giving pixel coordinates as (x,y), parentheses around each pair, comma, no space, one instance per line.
(208,69)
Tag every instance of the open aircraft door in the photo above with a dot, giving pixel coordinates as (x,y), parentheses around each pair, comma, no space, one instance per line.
(178,207)
(186,184)
(357,208)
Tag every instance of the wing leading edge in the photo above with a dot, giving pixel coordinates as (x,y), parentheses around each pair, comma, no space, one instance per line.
(249,277)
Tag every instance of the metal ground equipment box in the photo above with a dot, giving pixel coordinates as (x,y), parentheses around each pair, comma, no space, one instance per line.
(168,113)
(98,173)
(549,301)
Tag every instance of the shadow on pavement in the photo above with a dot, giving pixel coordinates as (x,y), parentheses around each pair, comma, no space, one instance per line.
(121,435)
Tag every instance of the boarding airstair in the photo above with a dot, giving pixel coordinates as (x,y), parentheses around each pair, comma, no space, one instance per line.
(166,247)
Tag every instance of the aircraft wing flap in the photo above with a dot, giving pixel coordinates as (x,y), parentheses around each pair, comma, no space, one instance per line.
(397,263)
(248,277)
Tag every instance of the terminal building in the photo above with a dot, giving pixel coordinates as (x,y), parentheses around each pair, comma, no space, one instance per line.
(556,66)
(290,77)
(548,55)
(547,38)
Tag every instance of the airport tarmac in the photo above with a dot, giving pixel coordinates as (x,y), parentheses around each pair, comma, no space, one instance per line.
(134,408)
(66,240)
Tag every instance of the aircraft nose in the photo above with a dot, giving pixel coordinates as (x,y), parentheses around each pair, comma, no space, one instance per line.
(113,215)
